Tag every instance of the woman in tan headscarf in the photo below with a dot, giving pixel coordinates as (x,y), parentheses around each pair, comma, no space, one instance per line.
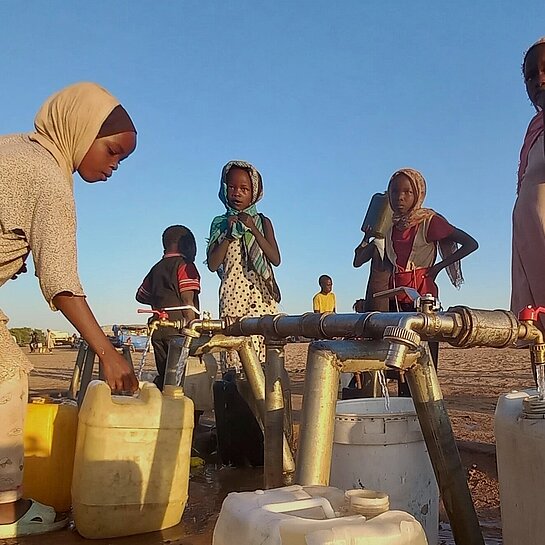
(528,253)
(82,128)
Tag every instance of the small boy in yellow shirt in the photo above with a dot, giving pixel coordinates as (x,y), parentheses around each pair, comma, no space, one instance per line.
(324,300)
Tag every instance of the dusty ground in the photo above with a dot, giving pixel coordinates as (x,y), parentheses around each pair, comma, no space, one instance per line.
(471,381)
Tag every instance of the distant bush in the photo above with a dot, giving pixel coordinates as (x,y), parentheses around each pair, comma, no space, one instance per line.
(22,334)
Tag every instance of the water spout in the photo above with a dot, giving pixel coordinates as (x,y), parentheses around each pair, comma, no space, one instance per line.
(182,366)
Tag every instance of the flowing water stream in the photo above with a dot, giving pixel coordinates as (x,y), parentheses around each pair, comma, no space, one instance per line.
(384,387)
(540,379)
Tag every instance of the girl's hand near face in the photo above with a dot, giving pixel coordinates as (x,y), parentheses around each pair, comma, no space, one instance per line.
(248,221)
(231,220)
(217,252)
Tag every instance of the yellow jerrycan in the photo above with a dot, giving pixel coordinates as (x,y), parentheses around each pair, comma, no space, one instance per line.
(131,469)
(50,442)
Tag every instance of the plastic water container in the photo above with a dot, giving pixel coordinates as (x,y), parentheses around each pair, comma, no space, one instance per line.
(385,450)
(199,379)
(50,443)
(520,452)
(310,515)
(131,469)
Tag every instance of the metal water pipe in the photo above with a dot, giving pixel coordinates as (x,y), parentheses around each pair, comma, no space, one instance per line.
(325,361)
(274,413)
(402,334)
(281,471)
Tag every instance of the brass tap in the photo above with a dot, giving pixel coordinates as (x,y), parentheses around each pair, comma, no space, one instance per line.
(161,320)
(196,327)
(528,330)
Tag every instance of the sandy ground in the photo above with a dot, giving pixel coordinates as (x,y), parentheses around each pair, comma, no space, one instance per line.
(471,381)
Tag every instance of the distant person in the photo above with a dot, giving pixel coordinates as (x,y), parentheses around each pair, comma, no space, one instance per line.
(173,281)
(34,340)
(82,128)
(413,242)
(528,248)
(359,305)
(324,300)
(50,341)
(242,248)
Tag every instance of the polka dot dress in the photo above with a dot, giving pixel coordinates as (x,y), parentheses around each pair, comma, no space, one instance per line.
(243,293)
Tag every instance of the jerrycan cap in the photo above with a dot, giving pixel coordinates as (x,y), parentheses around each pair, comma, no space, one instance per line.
(368,503)
(45,400)
(175,392)
(39,400)
(533,407)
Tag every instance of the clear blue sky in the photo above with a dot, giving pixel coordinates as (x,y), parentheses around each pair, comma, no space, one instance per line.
(326,98)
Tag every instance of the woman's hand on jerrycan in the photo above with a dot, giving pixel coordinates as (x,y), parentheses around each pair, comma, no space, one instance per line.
(118,374)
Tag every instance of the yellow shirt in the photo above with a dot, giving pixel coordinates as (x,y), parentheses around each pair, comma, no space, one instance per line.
(324,302)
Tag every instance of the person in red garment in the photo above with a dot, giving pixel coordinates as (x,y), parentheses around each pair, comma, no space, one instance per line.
(528,247)
(414,241)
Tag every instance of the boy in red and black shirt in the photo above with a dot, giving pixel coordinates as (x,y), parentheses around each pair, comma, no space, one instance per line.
(172,282)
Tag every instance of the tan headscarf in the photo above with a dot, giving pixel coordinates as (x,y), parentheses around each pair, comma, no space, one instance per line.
(69,121)
(417,214)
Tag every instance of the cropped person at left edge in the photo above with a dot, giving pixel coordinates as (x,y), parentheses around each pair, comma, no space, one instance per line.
(81,128)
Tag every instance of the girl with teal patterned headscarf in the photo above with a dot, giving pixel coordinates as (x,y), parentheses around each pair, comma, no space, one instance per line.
(242,247)
(255,257)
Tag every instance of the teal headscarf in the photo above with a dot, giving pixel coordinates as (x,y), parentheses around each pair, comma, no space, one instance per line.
(255,257)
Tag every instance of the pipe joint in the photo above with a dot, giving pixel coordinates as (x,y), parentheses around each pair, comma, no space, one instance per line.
(494,328)
(273,337)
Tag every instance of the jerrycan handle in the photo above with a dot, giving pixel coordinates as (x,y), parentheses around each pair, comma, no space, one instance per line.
(146,392)
(297,505)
